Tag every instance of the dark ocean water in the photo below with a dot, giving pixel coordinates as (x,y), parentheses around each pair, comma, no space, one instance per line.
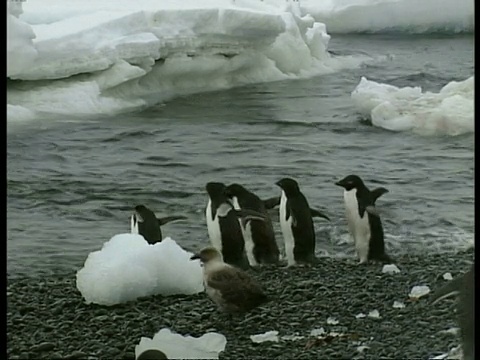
(72,184)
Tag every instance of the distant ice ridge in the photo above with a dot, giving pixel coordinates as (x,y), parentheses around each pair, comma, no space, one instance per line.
(127,267)
(449,112)
(113,56)
(409,16)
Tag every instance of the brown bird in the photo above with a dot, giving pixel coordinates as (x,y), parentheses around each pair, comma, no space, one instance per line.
(232,289)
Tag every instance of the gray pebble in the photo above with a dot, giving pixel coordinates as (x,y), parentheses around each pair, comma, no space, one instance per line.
(76,355)
(45,346)
(342,291)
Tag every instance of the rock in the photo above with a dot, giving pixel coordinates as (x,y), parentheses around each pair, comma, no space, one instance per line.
(45,346)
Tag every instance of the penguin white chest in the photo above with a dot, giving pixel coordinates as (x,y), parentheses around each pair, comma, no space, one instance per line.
(247,235)
(213,227)
(286,226)
(359,227)
(133,224)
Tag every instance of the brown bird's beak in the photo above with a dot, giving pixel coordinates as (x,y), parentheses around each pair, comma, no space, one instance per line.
(195,257)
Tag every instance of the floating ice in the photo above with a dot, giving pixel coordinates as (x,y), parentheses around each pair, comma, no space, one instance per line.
(268,336)
(390,269)
(176,346)
(114,56)
(398,304)
(317,332)
(21,53)
(127,267)
(418,291)
(374,314)
(360,316)
(447,276)
(411,16)
(448,112)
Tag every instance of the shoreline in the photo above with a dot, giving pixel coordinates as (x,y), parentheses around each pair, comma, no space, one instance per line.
(48,319)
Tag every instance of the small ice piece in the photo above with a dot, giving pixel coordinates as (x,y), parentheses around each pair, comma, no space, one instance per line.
(452,331)
(362,348)
(317,332)
(332,321)
(335,334)
(176,346)
(374,314)
(360,316)
(418,291)
(398,304)
(390,269)
(268,336)
(292,337)
(448,276)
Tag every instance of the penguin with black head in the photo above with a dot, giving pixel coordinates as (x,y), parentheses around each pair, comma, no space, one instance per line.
(363,219)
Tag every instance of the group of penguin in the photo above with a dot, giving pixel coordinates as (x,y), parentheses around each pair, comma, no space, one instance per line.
(240,228)
(242,236)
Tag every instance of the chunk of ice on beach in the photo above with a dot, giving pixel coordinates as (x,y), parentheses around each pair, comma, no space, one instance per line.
(268,336)
(447,276)
(176,346)
(332,321)
(419,291)
(317,332)
(390,269)
(127,267)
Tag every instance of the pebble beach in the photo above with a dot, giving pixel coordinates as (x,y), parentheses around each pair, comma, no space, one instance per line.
(47,317)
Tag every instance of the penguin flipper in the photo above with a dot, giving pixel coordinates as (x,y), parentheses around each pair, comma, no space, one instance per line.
(376,193)
(248,214)
(271,202)
(317,213)
(167,219)
(372,210)
(294,220)
(448,290)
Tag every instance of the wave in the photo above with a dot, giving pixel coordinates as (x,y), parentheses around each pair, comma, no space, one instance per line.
(387,16)
(448,112)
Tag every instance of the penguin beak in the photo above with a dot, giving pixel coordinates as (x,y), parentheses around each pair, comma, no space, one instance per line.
(195,257)
(278,183)
(339,183)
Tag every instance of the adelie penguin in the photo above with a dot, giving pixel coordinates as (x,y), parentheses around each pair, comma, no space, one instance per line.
(144,222)
(296,223)
(464,287)
(223,227)
(260,244)
(363,220)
